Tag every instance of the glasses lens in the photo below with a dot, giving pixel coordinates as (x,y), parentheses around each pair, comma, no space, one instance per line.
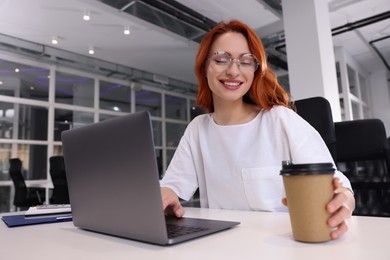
(248,62)
(222,60)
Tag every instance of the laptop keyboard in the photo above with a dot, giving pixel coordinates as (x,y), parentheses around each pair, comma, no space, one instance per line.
(175,230)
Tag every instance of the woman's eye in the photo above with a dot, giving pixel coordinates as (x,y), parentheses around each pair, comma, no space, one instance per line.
(221,59)
(246,63)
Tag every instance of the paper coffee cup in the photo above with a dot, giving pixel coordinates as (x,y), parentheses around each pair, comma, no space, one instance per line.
(309,188)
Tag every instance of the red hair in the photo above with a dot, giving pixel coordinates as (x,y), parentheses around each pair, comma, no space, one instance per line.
(265,91)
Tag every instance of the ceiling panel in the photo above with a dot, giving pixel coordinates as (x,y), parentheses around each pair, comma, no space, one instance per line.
(157,50)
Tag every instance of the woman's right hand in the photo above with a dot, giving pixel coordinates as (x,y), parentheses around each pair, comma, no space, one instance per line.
(171,203)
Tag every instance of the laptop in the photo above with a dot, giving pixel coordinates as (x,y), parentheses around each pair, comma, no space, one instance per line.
(114,187)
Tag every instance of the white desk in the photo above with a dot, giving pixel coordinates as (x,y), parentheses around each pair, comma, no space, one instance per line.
(261,235)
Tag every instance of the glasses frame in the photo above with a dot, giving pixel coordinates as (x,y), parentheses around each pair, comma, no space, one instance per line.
(236,60)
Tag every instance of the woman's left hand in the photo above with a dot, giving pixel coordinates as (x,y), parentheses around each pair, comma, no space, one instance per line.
(341,208)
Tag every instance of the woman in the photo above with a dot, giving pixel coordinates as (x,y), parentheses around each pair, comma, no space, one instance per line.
(234,153)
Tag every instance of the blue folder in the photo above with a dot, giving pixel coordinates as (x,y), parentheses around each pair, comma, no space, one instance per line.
(21,220)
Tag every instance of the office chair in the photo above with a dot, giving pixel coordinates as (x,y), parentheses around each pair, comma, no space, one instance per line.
(363,149)
(24,197)
(58,176)
(318,113)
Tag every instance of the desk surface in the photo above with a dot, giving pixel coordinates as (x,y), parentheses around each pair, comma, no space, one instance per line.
(261,235)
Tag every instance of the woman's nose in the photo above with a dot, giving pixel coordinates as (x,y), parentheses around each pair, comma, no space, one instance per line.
(233,69)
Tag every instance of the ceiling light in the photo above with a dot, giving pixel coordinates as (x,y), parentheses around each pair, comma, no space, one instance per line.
(126,30)
(91,50)
(1,82)
(86,15)
(17,70)
(54,40)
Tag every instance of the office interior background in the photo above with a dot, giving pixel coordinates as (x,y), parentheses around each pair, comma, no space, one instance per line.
(66,64)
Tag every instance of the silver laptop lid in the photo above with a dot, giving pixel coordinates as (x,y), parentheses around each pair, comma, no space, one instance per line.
(113,178)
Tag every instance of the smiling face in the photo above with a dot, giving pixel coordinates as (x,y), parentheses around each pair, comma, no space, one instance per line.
(231,84)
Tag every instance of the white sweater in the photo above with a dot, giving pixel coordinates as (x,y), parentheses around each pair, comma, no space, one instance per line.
(238,166)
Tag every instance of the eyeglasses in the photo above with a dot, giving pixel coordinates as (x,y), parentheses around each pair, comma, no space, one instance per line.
(246,62)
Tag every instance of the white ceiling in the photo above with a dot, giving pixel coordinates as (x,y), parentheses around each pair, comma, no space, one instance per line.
(162,52)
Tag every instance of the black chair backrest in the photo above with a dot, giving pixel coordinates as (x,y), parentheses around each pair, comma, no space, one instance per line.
(363,139)
(58,177)
(318,113)
(15,171)
(57,171)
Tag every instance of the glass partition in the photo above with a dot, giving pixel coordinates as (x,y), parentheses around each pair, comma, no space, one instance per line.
(18,121)
(174,133)
(5,192)
(20,80)
(103,117)
(68,119)
(148,100)
(170,153)
(159,158)
(115,97)
(27,114)
(5,153)
(33,157)
(57,150)
(175,107)
(74,90)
